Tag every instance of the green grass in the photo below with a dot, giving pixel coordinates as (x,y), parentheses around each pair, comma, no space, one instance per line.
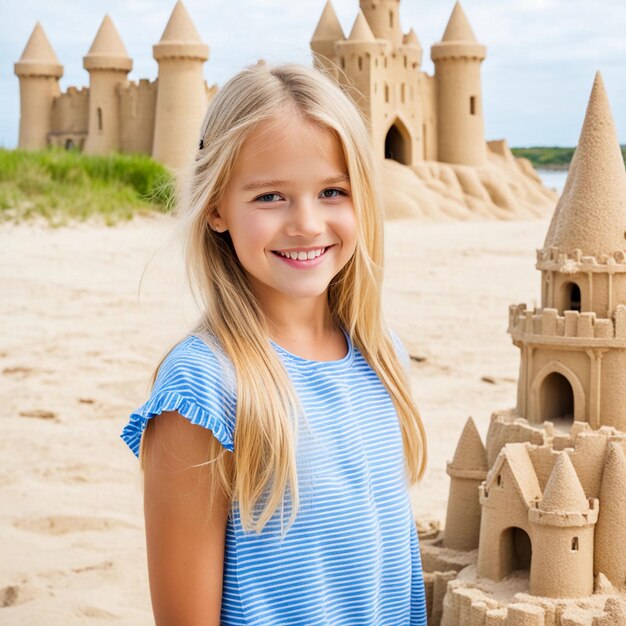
(550,158)
(62,186)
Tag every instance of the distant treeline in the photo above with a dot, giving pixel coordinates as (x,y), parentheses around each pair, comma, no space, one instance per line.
(550,158)
(65,185)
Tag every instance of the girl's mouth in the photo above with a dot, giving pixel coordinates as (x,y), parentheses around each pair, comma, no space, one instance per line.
(304,259)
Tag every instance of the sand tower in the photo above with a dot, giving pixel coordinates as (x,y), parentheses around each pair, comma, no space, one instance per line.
(610,544)
(181,97)
(457,58)
(108,64)
(38,71)
(467,470)
(327,32)
(573,349)
(356,55)
(562,531)
(383,16)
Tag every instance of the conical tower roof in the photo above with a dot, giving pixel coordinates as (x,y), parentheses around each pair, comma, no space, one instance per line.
(328,28)
(591,214)
(107,51)
(470,451)
(411,38)
(38,48)
(180,39)
(458,28)
(361,30)
(107,41)
(38,58)
(563,492)
(180,27)
(613,485)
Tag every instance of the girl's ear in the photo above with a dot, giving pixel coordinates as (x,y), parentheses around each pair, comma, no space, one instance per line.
(216,222)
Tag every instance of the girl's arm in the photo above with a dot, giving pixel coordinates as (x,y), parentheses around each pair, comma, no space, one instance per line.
(185,540)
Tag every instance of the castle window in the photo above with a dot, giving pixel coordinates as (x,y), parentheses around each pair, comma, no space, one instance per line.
(402,90)
(360,63)
(499,480)
(574,543)
(375,87)
(375,62)
(99,114)
(390,19)
(343,63)
(472,105)
(574,297)
(385,61)
(405,61)
(386,93)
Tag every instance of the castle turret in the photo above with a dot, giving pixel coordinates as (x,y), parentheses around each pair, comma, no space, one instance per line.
(383,16)
(181,93)
(610,542)
(356,56)
(38,71)
(573,364)
(563,533)
(467,471)
(108,64)
(457,59)
(327,32)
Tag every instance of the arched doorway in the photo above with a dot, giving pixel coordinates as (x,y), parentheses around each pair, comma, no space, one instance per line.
(571,297)
(397,143)
(515,550)
(69,144)
(556,399)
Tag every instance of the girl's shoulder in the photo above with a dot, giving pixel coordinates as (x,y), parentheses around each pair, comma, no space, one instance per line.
(196,380)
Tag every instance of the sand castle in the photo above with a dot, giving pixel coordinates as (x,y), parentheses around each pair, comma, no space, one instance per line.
(535,531)
(431,125)
(427,130)
(160,118)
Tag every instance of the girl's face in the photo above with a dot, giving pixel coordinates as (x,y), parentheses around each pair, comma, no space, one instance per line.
(288,209)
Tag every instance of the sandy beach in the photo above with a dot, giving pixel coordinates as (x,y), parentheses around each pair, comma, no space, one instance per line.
(81,336)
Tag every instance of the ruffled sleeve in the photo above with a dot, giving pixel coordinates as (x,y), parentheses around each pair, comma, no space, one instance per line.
(197,381)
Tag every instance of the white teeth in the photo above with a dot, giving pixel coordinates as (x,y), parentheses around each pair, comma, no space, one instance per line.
(302,255)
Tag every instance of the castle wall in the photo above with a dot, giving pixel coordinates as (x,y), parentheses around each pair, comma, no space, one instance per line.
(612,405)
(427,90)
(502,509)
(70,118)
(358,64)
(137,102)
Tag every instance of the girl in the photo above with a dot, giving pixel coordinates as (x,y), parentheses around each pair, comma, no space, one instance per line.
(290,399)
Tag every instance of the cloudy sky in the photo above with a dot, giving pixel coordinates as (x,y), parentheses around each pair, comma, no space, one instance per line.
(541,54)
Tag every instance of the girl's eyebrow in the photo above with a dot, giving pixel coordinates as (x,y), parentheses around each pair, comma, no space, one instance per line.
(261,184)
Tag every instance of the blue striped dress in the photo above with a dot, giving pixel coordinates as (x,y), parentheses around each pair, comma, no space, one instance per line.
(352,555)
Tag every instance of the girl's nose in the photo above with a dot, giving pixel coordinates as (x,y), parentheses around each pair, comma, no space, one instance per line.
(306,218)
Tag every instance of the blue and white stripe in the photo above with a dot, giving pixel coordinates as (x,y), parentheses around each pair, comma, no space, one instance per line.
(352,555)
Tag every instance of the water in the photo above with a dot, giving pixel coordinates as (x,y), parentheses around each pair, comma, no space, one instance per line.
(554,179)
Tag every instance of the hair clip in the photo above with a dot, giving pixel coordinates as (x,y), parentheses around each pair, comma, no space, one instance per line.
(201,144)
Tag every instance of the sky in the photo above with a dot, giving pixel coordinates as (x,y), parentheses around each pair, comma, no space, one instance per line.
(541,54)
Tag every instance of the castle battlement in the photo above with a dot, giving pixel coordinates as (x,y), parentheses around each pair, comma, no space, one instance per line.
(133,87)
(572,328)
(557,260)
(564,519)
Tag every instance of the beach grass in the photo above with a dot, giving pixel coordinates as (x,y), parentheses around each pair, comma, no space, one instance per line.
(62,186)
(545,157)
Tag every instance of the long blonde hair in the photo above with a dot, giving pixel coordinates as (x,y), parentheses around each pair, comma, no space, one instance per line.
(263,469)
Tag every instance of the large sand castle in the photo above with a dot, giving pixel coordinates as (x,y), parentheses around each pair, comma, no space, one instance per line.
(535,530)
(428,131)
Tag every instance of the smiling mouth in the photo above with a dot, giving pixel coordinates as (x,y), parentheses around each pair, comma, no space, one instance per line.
(302,255)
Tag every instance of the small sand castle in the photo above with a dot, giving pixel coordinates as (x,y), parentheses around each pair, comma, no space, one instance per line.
(535,531)
(429,129)
(160,118)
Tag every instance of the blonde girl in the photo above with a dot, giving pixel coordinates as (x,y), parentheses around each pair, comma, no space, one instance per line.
(280,437)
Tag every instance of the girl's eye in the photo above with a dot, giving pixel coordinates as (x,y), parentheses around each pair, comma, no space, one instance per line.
(329,193)
(266,197)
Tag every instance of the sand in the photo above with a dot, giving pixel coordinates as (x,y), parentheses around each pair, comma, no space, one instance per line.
(78,343)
